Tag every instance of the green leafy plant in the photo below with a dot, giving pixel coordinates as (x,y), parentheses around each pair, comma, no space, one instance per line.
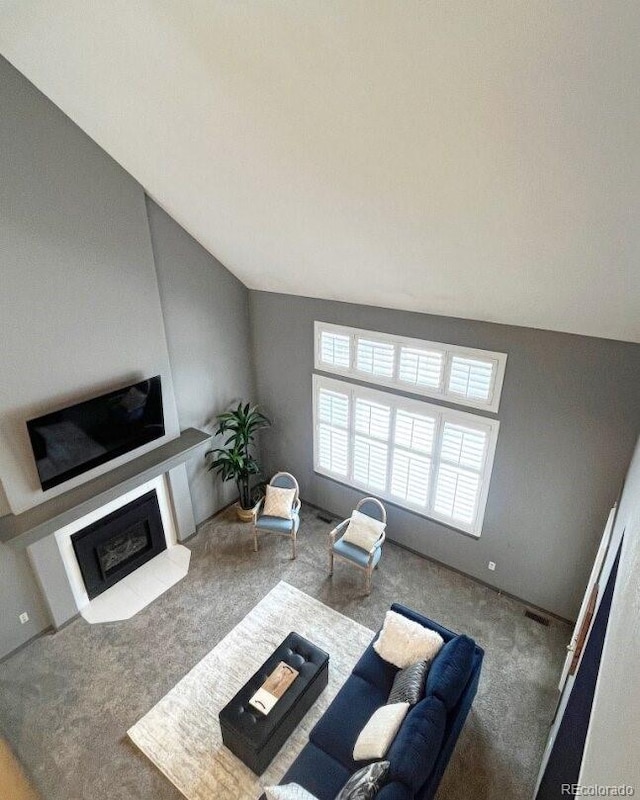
(235,461)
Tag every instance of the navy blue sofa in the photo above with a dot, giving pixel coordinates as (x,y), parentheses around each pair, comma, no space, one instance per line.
(326,762)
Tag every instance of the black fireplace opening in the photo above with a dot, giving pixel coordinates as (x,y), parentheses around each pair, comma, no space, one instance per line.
(119,543)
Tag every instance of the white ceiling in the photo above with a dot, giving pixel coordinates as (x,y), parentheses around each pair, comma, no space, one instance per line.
(468,158)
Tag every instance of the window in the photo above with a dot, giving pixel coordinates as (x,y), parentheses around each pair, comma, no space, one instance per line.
(460,375)
(431,459)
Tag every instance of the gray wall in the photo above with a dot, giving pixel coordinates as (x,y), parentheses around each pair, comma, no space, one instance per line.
(79,306)
(79,303)
(569,419)
(206,313)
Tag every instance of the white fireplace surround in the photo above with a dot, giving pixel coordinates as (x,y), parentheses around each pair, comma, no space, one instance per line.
(138,589)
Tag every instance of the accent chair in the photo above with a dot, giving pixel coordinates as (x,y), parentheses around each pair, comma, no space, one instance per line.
(263,523)
(351,553)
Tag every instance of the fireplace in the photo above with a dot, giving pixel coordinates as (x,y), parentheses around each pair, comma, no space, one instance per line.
(119,543)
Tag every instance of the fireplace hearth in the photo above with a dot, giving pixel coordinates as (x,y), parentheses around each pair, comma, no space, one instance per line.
(119,543)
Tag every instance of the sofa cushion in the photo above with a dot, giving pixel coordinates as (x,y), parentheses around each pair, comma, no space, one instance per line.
(376,670)
(403,642)
(416,747)
(366,782)
(451,670)
(337,730)
(353,553)
(268,523)
(408,685)
(318,772)
(395,791)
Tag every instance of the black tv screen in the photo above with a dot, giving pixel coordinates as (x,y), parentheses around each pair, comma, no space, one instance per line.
(76,439)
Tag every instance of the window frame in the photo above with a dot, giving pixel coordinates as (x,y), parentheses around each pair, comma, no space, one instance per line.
(398,402)
(448,351)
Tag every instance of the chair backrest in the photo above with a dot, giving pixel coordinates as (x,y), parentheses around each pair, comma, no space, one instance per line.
(285,480)
(372,508)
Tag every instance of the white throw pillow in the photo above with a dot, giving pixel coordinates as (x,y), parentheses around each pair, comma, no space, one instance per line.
(288,791)
(376,736)
(279,502)
(363,531)
(403,642)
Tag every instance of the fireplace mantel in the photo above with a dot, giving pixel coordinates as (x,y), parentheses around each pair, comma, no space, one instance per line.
(22,530)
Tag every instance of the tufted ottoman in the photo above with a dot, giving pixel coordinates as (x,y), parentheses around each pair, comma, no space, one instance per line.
(255,738)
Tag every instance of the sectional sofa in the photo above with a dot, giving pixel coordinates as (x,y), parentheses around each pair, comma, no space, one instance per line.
(424,744)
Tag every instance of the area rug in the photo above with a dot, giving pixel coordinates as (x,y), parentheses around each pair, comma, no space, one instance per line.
(181,734)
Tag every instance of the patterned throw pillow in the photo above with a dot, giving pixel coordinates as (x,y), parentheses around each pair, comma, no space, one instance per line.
(366,782)
(288,791)
(408,685)
(279,502)
(363,531)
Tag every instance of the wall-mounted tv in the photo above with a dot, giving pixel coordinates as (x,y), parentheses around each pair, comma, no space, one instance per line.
(76,439)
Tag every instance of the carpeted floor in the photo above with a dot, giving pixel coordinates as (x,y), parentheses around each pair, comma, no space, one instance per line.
(66,700)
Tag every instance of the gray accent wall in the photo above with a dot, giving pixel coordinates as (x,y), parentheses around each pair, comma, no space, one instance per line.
(79,302)
(206,313)
(85,307)
(569,420)
(79,305)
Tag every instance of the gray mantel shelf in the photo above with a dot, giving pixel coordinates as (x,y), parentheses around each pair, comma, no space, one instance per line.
(24,529)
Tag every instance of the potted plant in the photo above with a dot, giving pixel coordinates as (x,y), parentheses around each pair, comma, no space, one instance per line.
(235,461)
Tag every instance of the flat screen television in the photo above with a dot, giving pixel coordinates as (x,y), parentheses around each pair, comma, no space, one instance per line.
(76,439)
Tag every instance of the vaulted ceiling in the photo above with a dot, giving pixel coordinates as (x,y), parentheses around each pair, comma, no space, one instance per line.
(468,158)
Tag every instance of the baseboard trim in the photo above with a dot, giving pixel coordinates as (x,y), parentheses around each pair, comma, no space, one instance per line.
(473,578)
(212,517)
(47,630)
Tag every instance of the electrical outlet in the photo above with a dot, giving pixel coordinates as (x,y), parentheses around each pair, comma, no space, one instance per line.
(491,565)
(24,617)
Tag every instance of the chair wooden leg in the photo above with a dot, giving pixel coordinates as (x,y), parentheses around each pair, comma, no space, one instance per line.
(330,562)
(369,571)
(293,546)
(255,539)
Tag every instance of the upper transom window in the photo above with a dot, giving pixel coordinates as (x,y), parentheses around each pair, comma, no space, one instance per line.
(460,375)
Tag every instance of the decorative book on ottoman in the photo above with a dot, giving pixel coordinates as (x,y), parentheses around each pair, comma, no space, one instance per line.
(274,687)
(255,736)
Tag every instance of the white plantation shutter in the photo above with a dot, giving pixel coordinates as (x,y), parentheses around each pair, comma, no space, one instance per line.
(463,446)
(414,431)
(471,378)
(332,436)
(375,357)
(333,450)
(370,463)
(333,408)
(411,466)
(410,475)
(372,419)
(456,494)
(335,349)
(370,452)
(465,376)
(462,456)
(421,367)
(430,459)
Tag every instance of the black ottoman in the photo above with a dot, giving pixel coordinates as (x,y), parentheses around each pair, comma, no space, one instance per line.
(255,738)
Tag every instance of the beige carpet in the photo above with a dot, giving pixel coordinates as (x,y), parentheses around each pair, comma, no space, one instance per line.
(181,733)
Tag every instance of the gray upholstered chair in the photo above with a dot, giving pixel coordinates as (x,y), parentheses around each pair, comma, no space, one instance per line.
(285,527)
(350,553)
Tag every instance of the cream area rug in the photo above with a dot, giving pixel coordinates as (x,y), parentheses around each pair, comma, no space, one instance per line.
(181,733)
